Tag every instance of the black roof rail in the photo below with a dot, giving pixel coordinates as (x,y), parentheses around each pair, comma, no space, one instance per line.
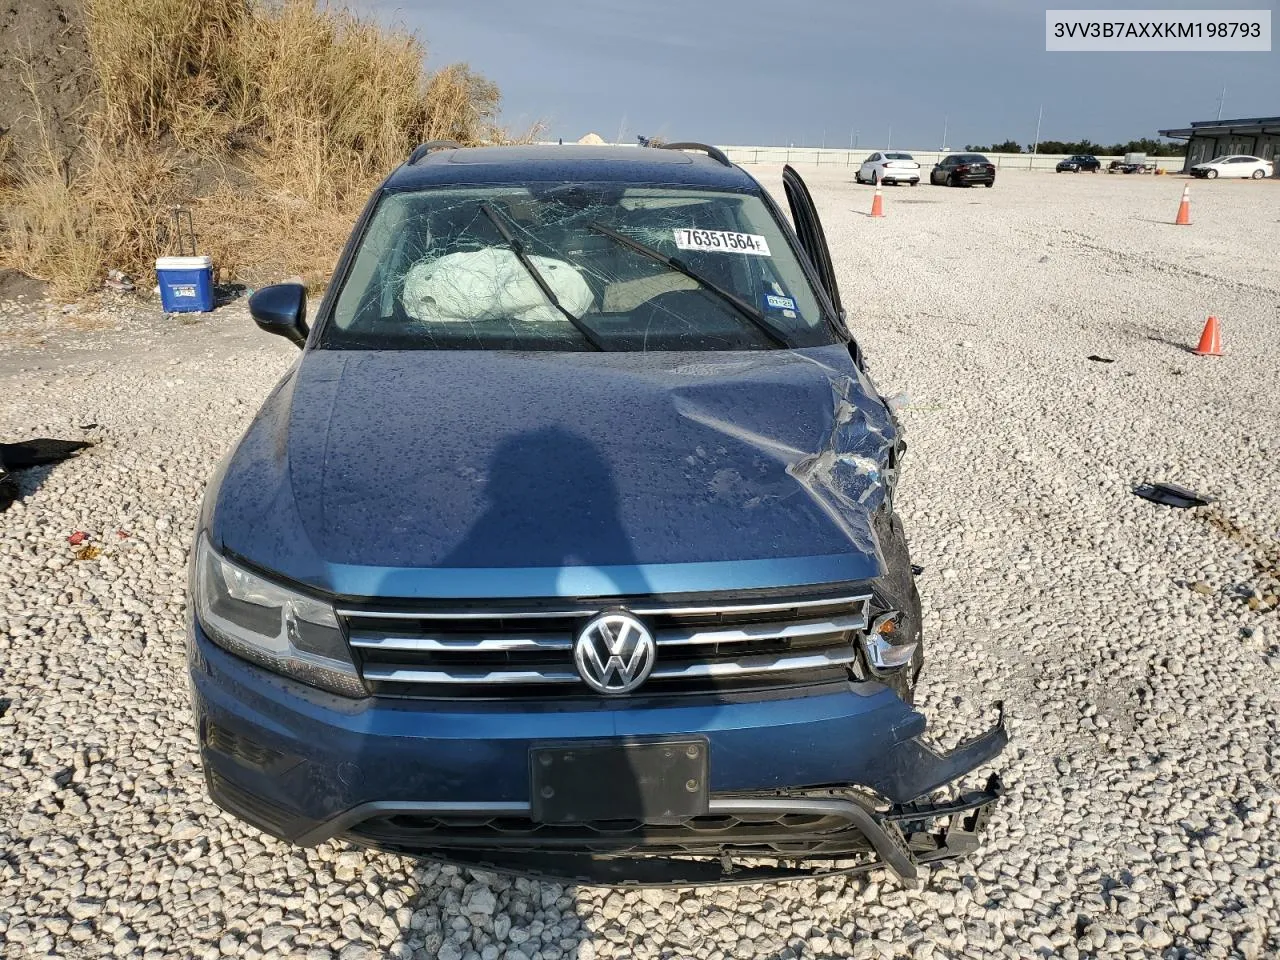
(423,149)
(715,153)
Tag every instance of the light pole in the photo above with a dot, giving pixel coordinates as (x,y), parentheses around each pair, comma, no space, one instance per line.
(1036,146)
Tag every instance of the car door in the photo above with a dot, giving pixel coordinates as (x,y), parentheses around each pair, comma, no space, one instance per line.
(869,166)
(804,215)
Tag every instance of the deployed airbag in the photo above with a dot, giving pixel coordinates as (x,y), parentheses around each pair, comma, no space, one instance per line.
(491,284)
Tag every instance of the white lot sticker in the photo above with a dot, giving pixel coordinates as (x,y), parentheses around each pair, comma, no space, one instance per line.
(722,241)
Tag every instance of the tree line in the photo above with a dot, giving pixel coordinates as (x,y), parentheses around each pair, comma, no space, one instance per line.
(1152,148)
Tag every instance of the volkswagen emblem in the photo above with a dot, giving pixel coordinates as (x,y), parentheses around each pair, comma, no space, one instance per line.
(614,652)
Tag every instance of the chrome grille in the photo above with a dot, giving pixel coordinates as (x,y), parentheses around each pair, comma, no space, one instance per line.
(527,650)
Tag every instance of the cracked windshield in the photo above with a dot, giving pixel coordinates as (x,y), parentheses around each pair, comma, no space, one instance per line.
(575,267)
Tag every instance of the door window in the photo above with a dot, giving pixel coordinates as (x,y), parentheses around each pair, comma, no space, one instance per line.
(809,231)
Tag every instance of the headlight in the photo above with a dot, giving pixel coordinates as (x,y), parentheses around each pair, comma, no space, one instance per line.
(284,631)
(885,651)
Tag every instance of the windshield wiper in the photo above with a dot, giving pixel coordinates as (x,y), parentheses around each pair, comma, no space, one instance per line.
(517,248)
(732,299)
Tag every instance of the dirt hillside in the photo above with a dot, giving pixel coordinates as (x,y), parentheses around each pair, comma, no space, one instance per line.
(42,43)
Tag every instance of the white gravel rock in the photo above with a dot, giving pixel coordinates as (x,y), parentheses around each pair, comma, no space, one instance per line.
(1136,646)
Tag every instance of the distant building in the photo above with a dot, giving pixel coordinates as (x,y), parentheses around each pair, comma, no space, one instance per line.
(1206,139)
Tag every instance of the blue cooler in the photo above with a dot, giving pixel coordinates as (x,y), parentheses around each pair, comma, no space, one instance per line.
(186,284)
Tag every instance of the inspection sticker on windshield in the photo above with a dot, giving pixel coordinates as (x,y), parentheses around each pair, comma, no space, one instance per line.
(722,241)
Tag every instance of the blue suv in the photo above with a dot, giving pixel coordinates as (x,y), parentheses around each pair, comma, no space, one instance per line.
(567,547)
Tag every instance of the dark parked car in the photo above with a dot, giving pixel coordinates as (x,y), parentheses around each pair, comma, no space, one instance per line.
(568,545)
(1079,162)
(963,170)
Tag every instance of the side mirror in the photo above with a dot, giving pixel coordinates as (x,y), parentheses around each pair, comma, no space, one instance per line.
(281,309)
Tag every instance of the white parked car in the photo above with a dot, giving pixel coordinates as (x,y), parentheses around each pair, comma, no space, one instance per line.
(1234,166)
(889,168)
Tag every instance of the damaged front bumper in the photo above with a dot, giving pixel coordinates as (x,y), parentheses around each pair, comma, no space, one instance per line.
(838,780)
(791,835)
(900,840)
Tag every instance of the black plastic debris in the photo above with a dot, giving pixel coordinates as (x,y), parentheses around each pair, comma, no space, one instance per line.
(1097,359)
(917,569)
(34,453)
(31,453)
(1171,495)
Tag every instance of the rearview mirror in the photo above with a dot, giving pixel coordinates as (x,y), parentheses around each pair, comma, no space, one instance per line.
(281,309)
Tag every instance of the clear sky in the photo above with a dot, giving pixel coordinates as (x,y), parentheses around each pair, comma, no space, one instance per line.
(757,72)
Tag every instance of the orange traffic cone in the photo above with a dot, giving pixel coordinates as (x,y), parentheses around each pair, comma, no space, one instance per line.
(877,204)
(1210,339)
(1184,209)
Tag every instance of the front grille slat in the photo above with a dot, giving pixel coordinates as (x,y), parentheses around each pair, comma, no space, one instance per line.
(754,665)
(467,676)
(367,640)
(743,608)
(525,649)
(642,609)
(495,614)
(770,631)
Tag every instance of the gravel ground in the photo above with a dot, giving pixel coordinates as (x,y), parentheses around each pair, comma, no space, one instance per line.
(1138,647)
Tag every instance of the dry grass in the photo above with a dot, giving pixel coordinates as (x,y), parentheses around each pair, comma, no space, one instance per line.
(273,121)
(10,174)
(68,230)
(160,66)
(47,236)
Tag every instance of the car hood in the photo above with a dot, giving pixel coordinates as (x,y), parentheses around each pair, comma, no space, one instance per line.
(486,473)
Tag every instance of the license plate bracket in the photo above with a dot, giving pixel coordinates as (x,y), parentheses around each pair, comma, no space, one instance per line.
(653,781)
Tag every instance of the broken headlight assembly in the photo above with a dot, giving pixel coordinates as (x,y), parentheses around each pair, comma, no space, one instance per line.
(284,631)
(885,645)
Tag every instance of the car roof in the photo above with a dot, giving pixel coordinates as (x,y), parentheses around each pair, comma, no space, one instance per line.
(529,163)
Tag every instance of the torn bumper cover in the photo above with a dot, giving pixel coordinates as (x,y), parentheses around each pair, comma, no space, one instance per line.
(856,840)
(791,835)
(453,782)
